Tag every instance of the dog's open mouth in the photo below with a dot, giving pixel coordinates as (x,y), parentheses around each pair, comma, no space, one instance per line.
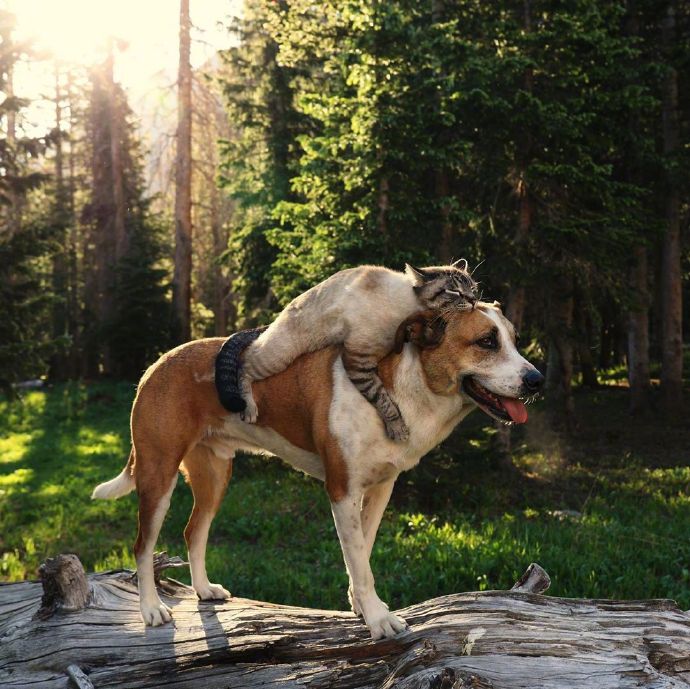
(507,409)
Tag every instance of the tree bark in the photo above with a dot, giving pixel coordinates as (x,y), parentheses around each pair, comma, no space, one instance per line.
(671,285)
(120,227)
(182,276)
(73,316)
(59,360)
(583,340)
(559,372)
(482,640)
(516,298)
(15,210)
(446,249)
(638,334)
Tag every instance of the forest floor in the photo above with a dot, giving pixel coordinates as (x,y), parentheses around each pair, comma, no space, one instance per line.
(606,510)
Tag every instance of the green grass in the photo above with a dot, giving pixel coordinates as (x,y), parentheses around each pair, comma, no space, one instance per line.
(457,522)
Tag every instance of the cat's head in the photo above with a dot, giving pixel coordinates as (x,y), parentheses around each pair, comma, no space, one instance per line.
(444,287)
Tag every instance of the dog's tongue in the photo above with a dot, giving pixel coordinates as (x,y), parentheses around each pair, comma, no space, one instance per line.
(516,409)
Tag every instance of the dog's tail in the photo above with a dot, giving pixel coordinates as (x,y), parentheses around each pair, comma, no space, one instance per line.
(122,484)
(228,368)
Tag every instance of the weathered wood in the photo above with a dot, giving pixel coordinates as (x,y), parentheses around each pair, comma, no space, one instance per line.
(64,585)
(487,640)
(534,580)
(79,679)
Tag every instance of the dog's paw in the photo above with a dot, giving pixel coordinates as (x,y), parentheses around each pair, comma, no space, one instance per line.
(155,614)
(386,625)
(354,605)
(213,592)
(397,430)
(251,412)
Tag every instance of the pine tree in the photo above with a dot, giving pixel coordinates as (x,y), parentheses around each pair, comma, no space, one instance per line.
(126,286)
(25,243)
(257,161)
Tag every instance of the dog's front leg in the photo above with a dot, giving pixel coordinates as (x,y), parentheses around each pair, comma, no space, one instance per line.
(348,522)
(373,506)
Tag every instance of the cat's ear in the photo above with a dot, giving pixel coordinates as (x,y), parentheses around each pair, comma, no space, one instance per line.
(417,275)
(460,264)
(425,329)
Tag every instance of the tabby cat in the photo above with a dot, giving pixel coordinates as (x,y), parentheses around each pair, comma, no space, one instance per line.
(359,307)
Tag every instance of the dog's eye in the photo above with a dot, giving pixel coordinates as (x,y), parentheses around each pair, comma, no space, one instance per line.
(488,342)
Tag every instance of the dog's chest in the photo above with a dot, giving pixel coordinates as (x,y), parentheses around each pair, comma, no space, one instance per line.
(358,428)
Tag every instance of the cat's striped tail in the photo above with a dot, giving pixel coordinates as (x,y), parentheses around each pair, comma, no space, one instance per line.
(228,365)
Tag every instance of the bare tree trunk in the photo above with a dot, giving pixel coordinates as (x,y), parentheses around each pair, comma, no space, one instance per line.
(515,306)
(583,340)
(638,334)
(479,640)
(383,203)
(559,375)
(220,287)
(672,296)
(99,246)
(441,175)
(73,319)
(182,277)
(15,213)
(58,363)
(121,236)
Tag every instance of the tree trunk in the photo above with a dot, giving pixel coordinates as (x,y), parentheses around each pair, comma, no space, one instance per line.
(86,632)
(638,334)
(559,373)
(446,247)
(220,284)
(121,236)
(15,213)
(73,319)
(515,306)
(446,252)
(182,277)
(583,341)
(671,286)
(59,361)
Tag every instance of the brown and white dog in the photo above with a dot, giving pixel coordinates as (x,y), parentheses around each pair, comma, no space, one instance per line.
(313,417)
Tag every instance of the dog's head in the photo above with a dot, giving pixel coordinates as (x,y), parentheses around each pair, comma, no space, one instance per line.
(474,354)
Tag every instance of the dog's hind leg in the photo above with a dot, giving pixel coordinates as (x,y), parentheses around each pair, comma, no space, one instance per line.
(155,484)
(208,475)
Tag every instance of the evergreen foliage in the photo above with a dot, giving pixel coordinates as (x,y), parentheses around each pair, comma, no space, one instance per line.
(24,301)
(523,134)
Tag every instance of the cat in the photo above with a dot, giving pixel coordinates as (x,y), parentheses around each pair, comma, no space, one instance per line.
(359,307)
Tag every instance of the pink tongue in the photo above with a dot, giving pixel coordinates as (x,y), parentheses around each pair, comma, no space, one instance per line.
(516,409)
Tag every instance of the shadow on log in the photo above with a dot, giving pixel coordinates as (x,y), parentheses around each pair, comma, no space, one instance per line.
(85,632)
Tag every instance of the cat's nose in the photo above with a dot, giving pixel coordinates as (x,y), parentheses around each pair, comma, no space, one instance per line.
(532,381)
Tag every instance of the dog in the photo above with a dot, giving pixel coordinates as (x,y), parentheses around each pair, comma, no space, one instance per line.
(313,417)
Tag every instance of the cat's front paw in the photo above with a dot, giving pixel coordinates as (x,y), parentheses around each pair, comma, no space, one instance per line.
(251,411)
(397,430)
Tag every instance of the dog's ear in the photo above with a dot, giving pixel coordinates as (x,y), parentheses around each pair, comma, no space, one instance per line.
(425,329)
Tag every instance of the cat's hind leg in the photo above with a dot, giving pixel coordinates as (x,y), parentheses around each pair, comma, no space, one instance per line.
(361,369)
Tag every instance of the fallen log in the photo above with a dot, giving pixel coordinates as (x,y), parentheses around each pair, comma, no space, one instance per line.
(85,632)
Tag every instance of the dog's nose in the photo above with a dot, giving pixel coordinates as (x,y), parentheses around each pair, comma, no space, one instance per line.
(532,381)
